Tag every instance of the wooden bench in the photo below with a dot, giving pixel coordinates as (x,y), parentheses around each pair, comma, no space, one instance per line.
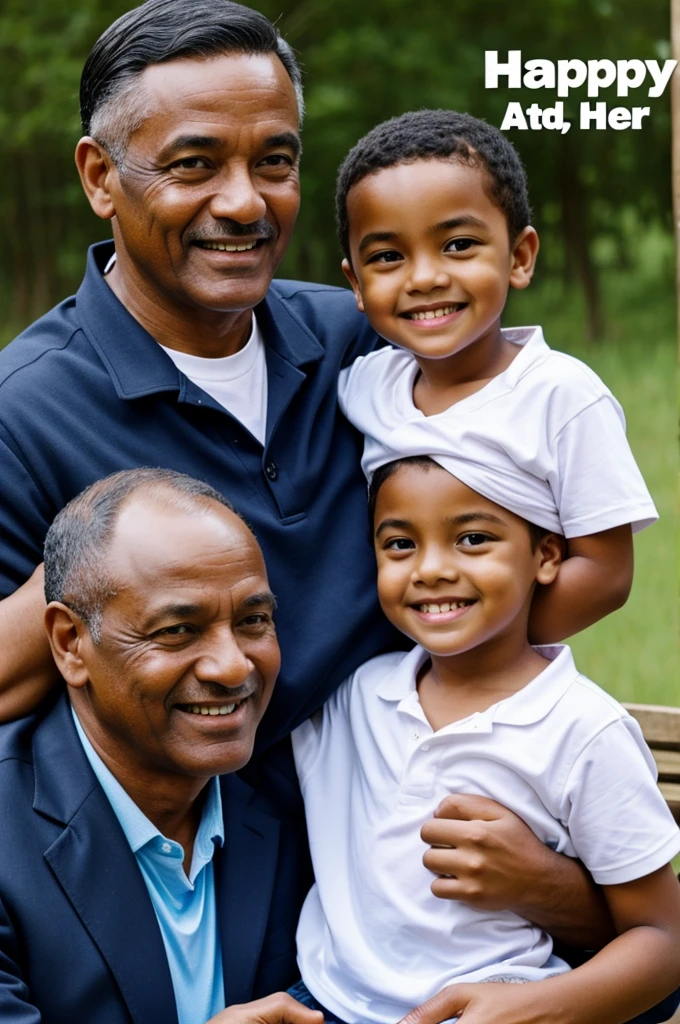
(661,728)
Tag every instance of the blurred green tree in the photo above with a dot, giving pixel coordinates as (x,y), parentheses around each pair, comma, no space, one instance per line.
(363,63)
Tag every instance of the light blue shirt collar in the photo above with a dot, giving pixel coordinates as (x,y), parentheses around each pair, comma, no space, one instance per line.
(139,831)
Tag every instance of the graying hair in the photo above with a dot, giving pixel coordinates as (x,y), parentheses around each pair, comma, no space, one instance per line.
(77,544)
(112,104)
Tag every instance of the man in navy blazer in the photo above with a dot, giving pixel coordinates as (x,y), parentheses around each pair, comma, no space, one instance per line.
(160,619)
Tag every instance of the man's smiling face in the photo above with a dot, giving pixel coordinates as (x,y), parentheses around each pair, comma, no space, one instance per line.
(206,199)
(188,653)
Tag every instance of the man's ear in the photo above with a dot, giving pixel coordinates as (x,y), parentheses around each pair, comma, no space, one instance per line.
(523,258)
(352,278)
(67,632)
(551,550)
(95,168)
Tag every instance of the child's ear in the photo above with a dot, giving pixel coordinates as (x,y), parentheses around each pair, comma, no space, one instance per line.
(550,550)
(352,278)
(523,258)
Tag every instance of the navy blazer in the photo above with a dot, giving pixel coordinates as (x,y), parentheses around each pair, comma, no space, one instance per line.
(79,940)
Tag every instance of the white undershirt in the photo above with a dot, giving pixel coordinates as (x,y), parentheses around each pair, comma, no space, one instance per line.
(237,382)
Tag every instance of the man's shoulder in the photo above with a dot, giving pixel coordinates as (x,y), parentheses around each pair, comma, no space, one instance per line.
(16,740)
(327,312)
(31,351)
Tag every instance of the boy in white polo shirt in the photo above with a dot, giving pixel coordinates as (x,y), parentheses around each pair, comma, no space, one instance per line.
(434,220)
(474,709)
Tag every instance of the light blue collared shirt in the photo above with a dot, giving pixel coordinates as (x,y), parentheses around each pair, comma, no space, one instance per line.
(185,907)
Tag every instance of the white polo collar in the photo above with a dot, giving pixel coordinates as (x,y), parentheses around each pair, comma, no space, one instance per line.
(529,705)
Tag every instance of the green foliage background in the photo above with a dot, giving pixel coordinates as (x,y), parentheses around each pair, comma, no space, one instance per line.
(602,205)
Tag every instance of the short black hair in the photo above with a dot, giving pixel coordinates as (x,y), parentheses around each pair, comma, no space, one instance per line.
(383,473)
(438,135)
(163,30)
(77,542)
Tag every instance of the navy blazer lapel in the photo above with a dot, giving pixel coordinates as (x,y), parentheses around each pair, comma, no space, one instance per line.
(98,872)
(244,879)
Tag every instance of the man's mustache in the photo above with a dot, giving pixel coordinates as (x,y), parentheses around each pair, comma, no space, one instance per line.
(225,230)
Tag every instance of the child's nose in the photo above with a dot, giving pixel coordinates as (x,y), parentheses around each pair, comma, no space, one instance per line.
(427,274)
(435,565)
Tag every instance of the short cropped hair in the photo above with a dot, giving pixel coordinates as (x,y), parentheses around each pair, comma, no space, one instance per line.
(77,543)
(111,106)
(438,135)
(383,473)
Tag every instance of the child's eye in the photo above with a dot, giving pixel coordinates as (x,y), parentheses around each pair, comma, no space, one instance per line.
(473,540)
(459,244)
(386,256)
(399,544)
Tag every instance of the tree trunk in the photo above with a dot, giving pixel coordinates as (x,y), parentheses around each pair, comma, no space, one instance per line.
(576,235)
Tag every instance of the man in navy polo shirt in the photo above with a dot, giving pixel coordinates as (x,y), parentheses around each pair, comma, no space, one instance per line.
(183,353)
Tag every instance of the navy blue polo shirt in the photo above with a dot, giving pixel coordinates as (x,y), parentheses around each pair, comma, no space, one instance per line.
(85,391)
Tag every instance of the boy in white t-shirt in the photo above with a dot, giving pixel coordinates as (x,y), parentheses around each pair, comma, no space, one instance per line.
(433,218)
(434,221)
(474,709)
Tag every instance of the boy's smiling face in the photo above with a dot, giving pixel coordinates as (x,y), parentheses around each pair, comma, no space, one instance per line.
(431,257)
(456,572)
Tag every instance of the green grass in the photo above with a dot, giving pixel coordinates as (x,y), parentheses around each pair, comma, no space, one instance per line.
(633,653)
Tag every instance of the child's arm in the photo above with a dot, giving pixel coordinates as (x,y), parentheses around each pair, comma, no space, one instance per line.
(593,580)
(27,669)
(639,968)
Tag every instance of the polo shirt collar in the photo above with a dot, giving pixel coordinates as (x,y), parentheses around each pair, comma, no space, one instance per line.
(529,705)
(137,364)
(139,831)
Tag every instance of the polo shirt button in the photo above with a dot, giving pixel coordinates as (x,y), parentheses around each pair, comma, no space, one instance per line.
(425,746)
(271,470)
(166,848)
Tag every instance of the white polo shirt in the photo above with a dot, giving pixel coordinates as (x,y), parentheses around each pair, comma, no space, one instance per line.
(373,942)
(545,439)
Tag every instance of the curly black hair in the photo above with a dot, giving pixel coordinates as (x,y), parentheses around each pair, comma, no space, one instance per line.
(432,135)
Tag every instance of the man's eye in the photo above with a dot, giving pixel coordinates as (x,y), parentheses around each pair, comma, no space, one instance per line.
(182,629)
(258,622)
(189,163)
(386,256)
(399,544)
(473,540)
(460,244)
(277,160)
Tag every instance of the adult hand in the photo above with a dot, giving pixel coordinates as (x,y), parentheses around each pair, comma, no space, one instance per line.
(279,1008)
(489,1003)
(486,856)
(483,854)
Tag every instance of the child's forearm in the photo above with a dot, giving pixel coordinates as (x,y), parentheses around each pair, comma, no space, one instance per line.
(630,975)
(594,580)
(27,670)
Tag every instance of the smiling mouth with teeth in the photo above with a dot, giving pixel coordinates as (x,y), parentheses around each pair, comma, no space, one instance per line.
(212,710)
(225,247)
(445,606)
(434,314)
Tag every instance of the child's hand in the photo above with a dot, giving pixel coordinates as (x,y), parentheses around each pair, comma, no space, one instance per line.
(488,1003)
(279,1008)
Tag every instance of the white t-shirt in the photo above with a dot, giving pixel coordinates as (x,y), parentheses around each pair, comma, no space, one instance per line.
(545,439)
(373,942)
(237,382)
